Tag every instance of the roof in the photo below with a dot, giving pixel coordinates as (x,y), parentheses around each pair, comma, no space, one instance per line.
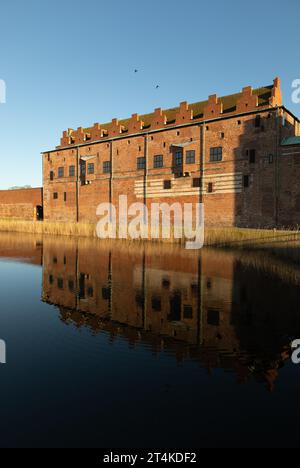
(229,106)
(291,141)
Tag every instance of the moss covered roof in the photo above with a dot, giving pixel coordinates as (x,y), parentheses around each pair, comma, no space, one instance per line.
(229,106)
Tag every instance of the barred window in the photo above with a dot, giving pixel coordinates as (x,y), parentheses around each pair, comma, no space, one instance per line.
(72,171)
(178,158)
(91,168)
(216,154)
(158,161)
(60,172)
(190,157)
(106,167)
(141,163)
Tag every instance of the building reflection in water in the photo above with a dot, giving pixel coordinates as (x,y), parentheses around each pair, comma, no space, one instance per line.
(221,309)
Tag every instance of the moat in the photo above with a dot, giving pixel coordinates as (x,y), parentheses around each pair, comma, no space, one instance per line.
(122,345)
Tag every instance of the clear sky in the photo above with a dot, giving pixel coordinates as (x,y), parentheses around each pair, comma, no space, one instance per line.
(71,63)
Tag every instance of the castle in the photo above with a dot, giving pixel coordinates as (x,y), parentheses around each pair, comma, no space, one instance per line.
(238,154)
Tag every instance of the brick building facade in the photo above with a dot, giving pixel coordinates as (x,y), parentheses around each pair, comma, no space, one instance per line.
(225,152)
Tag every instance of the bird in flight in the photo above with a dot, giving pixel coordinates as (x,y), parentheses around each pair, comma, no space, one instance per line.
(135,71)
(157,86)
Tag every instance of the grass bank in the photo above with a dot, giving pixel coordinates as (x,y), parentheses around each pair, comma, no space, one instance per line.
(214,237)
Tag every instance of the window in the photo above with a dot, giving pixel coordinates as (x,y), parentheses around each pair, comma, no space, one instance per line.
(106,167)
(216,154)
(239,122)
(60,172)
(246,181)
(257,121)
(210,187)
(213,317)
(156,303)
(141,163)
(197,182)
(90,292)
(51,175)
(71,285)
(188,312)
(65,196)
(72,171)
(271,158)
(60,283)
(252,156)
(222,135)
(158,161)
(55,195)
(167,185)
(178,158)
(91,168)
(190,157)
(105,294)
(51,279)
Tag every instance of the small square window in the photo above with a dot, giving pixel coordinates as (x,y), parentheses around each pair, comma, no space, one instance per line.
(91,168)
(158,161)
(60,172)
(216,154)
(210,187)
(55,195)
(190,157)
(106,167)
(197,182)
(167,185)
(222,135)
(141,163)
(72,171)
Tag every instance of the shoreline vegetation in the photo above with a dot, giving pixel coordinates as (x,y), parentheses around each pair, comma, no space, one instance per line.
(224,237)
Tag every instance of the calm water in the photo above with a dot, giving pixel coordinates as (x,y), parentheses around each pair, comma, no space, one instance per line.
(117,346)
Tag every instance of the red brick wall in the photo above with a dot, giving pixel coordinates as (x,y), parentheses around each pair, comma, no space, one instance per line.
(20,204)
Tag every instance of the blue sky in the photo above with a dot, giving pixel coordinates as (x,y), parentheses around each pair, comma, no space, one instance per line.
(71,63)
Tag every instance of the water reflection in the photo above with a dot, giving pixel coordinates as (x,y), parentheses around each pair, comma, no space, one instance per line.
(224,310)
(218,308)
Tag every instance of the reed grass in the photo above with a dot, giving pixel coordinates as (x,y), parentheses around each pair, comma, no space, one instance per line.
(214,237)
